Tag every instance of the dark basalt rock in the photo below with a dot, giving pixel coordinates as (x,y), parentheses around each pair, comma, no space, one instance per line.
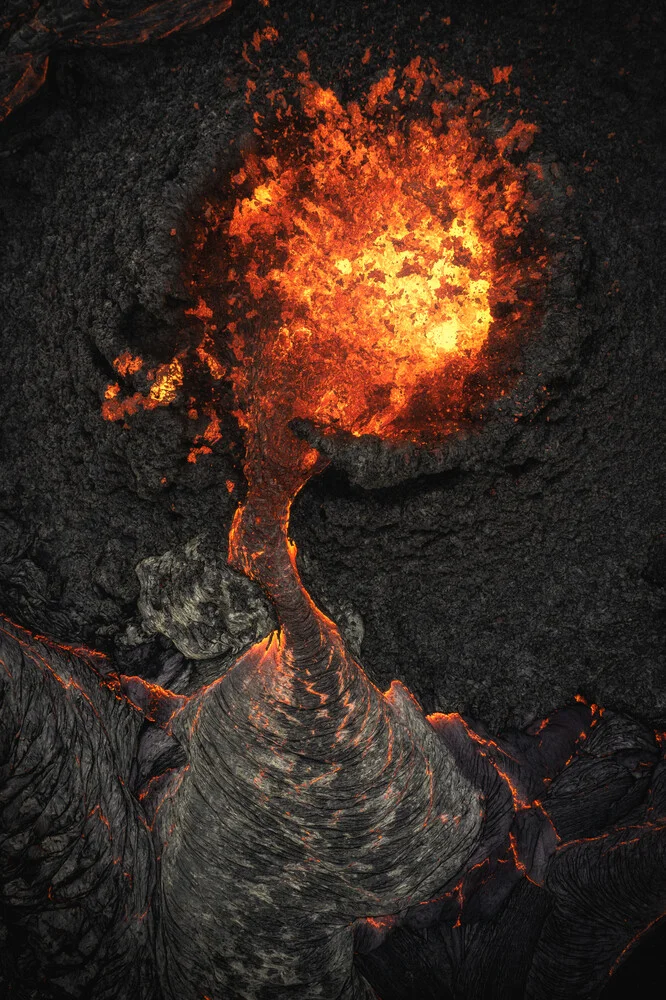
(34,30)
(498,577)
(518,557)
(553,929)
(77,866)
(196,599)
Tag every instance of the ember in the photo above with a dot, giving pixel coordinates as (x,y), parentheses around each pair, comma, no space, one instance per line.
(164,384)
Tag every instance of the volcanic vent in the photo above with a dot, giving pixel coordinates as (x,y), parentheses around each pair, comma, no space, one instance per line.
(368,267)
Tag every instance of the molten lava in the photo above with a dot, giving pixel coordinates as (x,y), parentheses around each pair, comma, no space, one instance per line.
(164,383)
(363,261)
(360,269)
(373,257)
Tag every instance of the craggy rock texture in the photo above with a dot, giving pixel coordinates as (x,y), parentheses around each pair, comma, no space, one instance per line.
(502,585)
(516,569)
(77,867)
(205,608)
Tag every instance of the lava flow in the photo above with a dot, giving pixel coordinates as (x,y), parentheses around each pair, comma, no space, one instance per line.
(362,262)
(367,267)
(353,273)
(41,27)
(357,270)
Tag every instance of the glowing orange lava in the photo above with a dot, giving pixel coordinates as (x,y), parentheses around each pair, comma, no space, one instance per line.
(375,251)
(164,383)
(364,260)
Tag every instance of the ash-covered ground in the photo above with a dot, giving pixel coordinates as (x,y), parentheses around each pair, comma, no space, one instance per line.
(528,565)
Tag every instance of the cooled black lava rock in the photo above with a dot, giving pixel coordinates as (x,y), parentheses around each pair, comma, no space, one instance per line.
(520,563)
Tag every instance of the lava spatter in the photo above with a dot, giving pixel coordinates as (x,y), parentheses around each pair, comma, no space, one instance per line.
(376,256)
(364,259)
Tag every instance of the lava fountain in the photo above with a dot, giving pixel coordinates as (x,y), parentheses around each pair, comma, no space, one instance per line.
(355,272)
